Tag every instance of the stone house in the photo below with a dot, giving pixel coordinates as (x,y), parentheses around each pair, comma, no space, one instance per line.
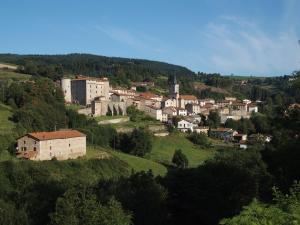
(62,145)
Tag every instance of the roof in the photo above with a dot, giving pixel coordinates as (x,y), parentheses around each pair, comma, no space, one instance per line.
(61,134)
(188,97)
(81,77)
(240,135)
(221,129)
(148,95)
(170,108)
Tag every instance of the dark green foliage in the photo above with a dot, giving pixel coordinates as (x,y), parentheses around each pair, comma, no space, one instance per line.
(96,134)
(119,70)
(77,207)
(213,120)
(200,139)
(180,160)
(29,190)
(141,194)
(283,159)
(138,143)
(285,210)
(244,126)
(217,189)
(38,105)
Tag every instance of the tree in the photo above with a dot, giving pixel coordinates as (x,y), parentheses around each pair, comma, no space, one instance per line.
(285,210)
(82,207)
(179,159)
(142,194)
(219,188)
(214,120)
(200,139)
(140,142)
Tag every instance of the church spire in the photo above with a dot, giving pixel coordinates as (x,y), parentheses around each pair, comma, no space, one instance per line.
(174,80)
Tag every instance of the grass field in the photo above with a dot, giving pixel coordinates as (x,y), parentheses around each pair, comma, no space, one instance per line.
(131,124)
(135,163)
(164,148)
(5,124)
(13,75)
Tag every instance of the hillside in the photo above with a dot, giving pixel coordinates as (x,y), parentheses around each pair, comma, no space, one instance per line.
(56,66)
(4,75)
(164,148)
(5,124)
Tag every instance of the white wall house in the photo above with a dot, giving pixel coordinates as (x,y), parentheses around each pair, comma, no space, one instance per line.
(63,144)
(184,126)
(181,112)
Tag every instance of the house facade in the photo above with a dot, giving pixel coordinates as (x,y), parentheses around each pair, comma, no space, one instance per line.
(62,145)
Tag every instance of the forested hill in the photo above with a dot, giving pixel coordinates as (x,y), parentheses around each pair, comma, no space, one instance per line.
(55,66)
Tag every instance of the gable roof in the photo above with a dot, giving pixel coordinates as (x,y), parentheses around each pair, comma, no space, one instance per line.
(61,134)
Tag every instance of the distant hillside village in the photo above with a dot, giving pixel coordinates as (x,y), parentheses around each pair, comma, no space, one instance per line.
(100,99)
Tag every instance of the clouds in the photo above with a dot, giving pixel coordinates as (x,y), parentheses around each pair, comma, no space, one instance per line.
(236,45)
(136,40)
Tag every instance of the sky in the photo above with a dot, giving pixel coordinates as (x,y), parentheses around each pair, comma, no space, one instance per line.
(240,37)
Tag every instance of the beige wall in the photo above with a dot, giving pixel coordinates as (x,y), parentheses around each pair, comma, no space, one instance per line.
(96,89)
(62,149)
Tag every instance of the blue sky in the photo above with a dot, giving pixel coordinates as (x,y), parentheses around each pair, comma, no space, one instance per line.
(257,37)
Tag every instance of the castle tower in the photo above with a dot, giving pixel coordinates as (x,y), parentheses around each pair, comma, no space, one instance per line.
(174,89)
(66,88)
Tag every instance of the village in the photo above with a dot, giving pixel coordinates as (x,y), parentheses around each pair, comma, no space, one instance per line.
(98,98)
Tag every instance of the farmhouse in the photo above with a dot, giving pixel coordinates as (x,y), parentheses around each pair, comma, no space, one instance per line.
(62,145)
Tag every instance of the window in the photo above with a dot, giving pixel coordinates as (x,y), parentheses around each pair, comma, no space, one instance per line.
(69,145)
(24,142)
(50,147)
(34,148)
(35,142)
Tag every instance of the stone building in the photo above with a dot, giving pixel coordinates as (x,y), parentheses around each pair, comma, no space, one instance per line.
(62,145)
(82,90)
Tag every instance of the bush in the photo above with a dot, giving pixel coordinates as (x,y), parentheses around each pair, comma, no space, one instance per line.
(179,159)
(199,139)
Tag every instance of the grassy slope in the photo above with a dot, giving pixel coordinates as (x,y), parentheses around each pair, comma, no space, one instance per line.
(164,147)
(135,163)
(5,124)
(13,75)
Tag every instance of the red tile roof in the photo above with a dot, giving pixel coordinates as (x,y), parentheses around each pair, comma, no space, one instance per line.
(61,134)
(188,97)
(148,95)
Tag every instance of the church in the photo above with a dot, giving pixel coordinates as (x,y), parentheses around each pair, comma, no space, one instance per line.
(175,99)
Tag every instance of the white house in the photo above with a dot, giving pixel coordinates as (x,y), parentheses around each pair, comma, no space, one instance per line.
(181,112)
(184,126)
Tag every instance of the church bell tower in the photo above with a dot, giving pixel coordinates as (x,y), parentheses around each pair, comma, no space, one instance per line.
(174,89)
